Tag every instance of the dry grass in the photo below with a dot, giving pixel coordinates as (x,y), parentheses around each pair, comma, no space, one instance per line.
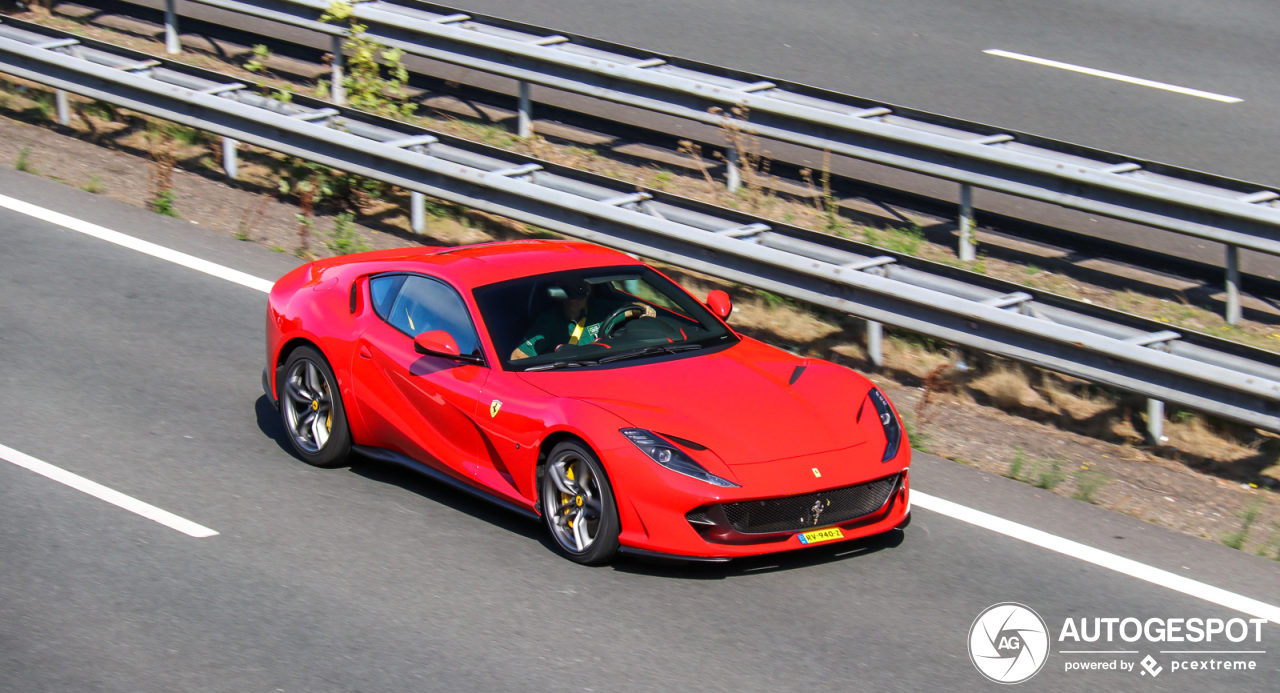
(912,357)
(1076,400)
(1007,389)
(1197,436)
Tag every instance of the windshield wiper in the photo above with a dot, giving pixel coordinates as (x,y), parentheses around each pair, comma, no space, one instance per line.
(651,350)
(562,364)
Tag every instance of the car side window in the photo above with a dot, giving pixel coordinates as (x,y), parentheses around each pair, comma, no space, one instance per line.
(414,304)
(383,290)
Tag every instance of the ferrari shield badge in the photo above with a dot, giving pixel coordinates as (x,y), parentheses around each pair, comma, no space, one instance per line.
(494,406)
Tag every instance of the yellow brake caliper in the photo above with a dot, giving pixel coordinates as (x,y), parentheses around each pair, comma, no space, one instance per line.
(564,497)
(328,421)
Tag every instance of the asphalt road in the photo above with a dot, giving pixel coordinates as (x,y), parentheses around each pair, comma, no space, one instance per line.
(143,376)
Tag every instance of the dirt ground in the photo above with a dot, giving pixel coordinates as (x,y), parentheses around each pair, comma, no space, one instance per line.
(1208,480)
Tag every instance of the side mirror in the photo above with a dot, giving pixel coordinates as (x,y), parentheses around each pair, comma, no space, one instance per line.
(719,303)
(441,343)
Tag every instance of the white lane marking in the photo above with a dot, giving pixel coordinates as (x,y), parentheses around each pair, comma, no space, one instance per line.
(1098,557)
(1113,75)
(945,507)
(145,247)
(109,495)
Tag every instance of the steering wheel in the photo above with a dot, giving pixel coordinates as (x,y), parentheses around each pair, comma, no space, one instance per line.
(621,316)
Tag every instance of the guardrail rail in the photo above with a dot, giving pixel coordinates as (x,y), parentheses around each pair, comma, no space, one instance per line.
(1237,214)
(1123,351)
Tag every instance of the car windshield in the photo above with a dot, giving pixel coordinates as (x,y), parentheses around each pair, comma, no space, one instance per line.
(602,315)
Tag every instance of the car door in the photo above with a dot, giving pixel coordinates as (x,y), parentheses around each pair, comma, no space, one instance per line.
(422,406)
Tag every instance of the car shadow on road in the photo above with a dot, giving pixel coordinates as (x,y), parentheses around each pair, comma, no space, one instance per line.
(758,565)
(458,501)
(271,426)
(387,473)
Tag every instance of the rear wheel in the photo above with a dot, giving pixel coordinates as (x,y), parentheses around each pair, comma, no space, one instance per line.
(577,504)
(311,409)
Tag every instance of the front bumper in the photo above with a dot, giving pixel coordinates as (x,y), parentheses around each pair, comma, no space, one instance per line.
(658,506)
(266,387)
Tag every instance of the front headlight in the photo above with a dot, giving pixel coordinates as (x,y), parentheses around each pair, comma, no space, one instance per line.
(892,427)
(668,455)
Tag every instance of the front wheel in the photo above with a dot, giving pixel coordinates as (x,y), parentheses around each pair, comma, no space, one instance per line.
(311,408)
(577,504)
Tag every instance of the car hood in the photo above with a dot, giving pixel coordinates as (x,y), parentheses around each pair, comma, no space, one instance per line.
(740,402)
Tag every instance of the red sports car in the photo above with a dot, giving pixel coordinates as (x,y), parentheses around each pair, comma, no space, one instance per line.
(574,383)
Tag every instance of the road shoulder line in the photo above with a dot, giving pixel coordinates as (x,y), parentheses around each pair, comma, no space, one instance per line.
(107,494)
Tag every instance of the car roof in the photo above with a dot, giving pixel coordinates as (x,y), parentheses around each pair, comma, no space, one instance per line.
(486,263)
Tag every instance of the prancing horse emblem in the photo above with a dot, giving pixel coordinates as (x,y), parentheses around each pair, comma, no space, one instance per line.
(817,510)
(494,406)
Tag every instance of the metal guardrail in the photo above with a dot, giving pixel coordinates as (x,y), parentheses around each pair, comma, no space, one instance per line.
(1235,213)
(1126,352)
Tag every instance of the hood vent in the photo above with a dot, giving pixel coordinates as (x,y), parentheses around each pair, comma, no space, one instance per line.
(795,375)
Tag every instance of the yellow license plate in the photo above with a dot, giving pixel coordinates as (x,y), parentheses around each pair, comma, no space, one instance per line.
(820,535)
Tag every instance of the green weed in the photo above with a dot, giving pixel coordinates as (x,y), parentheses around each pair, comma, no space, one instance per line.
(1182,416)
(773,300)
(93,186)
(162,203)
(100,110)
(539,232)
(919,438)
(184,134)
(1018,463)
(375,74)
(44,105)
(258,63)
(437,209)
(1250,515)
(343,238)
(906,240)
(1087,484)
(24,162)
(1047,479)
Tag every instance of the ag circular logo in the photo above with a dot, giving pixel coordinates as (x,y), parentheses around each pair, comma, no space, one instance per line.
(1008,643)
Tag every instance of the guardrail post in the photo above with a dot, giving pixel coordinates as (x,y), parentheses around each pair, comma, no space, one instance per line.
(64,108)
(732,174)
(337,81)
(172,43)
(1234,311)
(230,160)
(1155,421)
(524,119)
(418,212)
(967,249)
(875,343)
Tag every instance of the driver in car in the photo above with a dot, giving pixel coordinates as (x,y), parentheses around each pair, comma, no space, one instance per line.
(575,320)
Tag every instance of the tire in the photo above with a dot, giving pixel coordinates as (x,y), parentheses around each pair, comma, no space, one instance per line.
(577,504)
(311,409)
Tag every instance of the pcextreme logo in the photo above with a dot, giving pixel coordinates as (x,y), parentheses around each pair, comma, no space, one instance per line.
(1010,643)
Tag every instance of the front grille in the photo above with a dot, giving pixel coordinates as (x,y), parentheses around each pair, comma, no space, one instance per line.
(794,513)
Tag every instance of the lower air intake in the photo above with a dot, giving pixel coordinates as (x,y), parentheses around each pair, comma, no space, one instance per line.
(794,513)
